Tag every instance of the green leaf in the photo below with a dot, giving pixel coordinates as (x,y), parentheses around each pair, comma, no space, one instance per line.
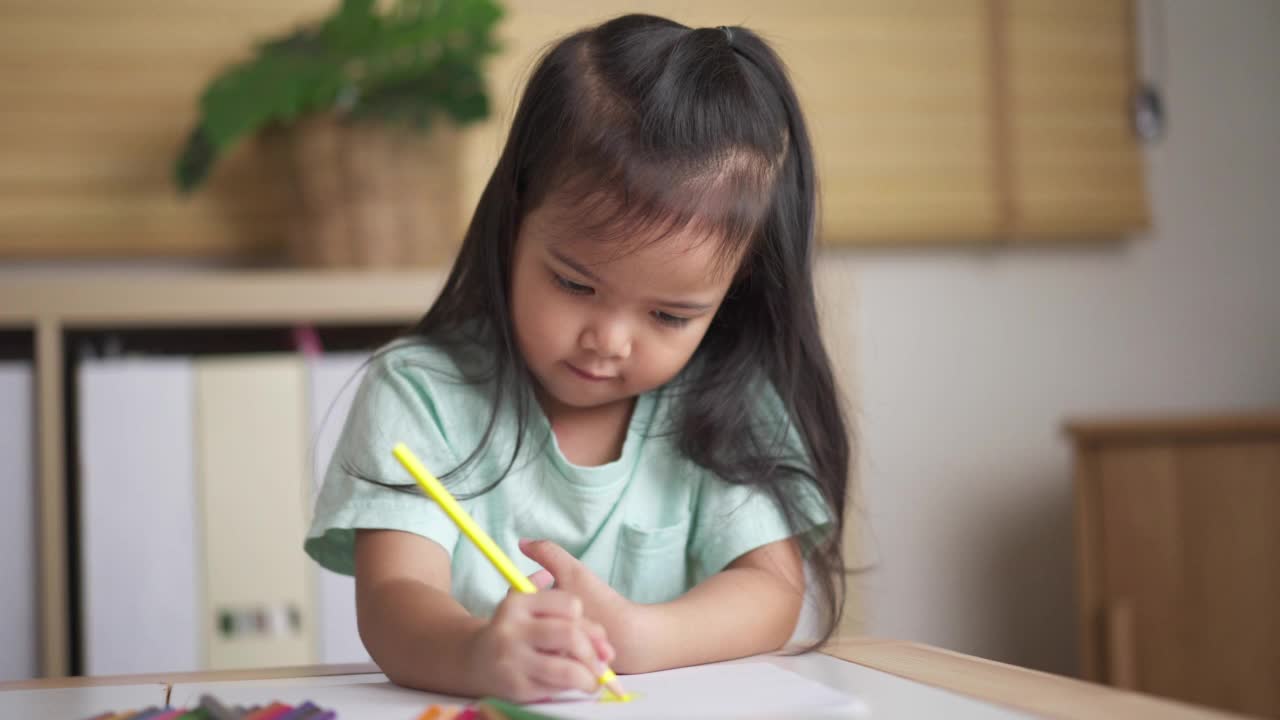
(195,160)
(411,62)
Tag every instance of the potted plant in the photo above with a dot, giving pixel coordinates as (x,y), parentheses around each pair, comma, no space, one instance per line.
(365,101)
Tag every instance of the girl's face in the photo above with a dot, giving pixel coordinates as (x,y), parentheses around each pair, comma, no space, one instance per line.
(597,326)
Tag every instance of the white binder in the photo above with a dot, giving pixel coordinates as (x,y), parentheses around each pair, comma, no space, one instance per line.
(333,379)
(19,581)
(138,523)
(255,493)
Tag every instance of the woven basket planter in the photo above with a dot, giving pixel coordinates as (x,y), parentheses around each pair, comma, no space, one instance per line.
(369,195)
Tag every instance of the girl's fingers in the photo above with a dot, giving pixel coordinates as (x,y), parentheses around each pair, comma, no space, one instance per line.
(548,603)
(529,690)
(599,640)
(564,637)
(542,580)
(561,673)
(555,603)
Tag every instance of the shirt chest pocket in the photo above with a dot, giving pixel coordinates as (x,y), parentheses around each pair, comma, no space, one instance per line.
(651,564)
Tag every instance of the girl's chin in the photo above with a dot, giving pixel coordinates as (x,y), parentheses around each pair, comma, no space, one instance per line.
(578,395)
(586,400)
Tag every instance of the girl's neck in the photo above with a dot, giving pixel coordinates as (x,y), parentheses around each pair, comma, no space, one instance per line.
(588,436)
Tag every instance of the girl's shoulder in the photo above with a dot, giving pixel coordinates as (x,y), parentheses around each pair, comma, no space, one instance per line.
(455,375)
(438,398)
(465,359)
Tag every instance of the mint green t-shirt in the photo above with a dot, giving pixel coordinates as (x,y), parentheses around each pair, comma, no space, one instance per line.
(652,523)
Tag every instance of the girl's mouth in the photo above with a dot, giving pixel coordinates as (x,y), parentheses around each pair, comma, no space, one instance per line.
(588,376)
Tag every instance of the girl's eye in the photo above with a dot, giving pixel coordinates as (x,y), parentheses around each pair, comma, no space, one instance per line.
(573,287)
(670,320)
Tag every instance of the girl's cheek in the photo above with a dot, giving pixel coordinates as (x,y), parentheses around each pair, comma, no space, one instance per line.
(559,317)
(555,309)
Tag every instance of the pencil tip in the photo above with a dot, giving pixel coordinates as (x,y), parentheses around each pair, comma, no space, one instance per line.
(618,694)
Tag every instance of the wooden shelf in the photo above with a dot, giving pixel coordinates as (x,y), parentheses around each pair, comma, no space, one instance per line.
(50,305)
(214,297)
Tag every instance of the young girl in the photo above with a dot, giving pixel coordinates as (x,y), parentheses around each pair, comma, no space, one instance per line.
(623,377)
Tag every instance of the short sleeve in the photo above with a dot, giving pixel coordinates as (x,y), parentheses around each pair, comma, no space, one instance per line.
(403,397)
(731,520)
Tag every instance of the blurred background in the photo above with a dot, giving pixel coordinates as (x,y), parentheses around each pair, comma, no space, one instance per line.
(1048,279)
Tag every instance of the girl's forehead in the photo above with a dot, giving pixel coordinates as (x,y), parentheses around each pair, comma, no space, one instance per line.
(687,252)
(674,257)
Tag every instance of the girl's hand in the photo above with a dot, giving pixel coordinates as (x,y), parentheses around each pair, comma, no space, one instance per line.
(621,619)
(537,646)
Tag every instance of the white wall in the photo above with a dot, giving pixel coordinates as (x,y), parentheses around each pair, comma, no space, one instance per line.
(969,361)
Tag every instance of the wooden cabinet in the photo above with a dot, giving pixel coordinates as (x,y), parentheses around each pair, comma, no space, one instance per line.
(934,121)
(1178,548)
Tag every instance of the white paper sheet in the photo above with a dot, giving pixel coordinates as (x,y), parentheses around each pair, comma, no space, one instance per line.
(715,691)
(746,690)
(812,686)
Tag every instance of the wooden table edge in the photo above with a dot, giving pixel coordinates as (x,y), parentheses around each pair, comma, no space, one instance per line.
(1018,688)
(173,678)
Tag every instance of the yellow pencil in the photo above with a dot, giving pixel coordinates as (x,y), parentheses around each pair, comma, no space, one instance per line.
(436,491)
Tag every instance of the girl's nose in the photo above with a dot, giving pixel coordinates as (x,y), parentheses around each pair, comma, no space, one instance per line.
(608,337)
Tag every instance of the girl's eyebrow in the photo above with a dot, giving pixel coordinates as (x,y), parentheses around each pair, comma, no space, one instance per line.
(674,304)
(683,305)
(578,267)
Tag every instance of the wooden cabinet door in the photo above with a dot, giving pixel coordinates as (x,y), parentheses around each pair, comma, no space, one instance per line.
(1190,570)
(1230,499)
(1140,611)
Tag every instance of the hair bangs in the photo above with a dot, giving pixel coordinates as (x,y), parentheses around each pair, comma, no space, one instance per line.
(640,203)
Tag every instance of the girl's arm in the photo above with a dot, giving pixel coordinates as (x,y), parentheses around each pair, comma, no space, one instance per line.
(403,606)
(750,607)
(535,645)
